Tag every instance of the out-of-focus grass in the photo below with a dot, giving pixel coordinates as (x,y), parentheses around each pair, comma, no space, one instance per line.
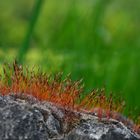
(95,40)
(26,43)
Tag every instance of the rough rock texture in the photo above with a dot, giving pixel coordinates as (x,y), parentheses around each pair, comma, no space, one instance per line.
(29,119)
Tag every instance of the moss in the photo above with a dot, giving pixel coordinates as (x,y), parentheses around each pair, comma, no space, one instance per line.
(20,80)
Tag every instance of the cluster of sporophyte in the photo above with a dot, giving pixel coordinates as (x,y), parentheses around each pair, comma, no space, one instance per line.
(63,92)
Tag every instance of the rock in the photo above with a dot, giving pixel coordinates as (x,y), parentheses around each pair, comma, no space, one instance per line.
(29,119)
(93,130)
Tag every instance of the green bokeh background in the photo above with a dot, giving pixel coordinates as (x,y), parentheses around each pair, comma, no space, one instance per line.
(97,40)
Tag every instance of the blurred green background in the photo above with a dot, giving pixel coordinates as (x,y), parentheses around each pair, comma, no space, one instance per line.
(97,40)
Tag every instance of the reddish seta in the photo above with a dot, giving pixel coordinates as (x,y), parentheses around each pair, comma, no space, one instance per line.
(66,93)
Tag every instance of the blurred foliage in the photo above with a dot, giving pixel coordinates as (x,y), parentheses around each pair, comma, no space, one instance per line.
(97,40)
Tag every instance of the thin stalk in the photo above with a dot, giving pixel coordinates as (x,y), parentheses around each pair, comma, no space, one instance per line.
(26,43)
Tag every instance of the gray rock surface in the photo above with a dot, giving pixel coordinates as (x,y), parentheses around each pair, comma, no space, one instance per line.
(29,119)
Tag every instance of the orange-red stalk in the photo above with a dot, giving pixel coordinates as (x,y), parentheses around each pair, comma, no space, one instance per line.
(19,80)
